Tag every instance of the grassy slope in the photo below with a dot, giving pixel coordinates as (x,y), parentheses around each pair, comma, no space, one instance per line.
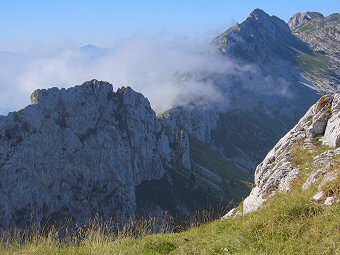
(253,130)
(310,63)
(235,183)
(209,158)
(288,224)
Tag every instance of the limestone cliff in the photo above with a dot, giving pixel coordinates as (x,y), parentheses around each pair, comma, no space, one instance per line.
(79,152)
(88,151)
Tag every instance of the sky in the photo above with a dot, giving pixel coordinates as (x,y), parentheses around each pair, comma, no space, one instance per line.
(145,44)
(101,22)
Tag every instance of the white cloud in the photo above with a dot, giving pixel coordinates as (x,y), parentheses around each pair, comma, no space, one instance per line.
(168,72)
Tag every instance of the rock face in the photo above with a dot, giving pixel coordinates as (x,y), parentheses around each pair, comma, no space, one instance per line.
(90,151)
(332,136)
(87,151)
(302,17)
(200,123)
(322,34)
(80,152)
(277,171)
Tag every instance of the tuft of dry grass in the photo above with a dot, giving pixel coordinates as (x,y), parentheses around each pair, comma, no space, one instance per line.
(300,156)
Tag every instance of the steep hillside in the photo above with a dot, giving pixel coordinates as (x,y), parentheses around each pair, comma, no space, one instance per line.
(265,98)
(261,39)
(322,34)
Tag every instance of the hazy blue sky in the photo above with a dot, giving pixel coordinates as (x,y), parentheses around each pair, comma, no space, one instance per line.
(101,22)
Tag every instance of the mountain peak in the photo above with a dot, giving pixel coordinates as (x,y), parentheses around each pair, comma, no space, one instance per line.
(89,46)
(260,38)
(258,14)
(51,95)
(303,17)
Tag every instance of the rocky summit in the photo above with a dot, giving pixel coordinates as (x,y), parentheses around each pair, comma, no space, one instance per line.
(286,73)
(261,38)
(265,99)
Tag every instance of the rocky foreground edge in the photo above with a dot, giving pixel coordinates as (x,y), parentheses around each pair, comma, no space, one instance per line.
(277,172)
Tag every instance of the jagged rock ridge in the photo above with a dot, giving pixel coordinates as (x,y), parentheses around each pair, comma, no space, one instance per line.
(80,152)
(88,152)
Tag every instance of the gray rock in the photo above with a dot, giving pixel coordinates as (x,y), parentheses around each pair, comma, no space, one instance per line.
(301,18)
(318,196)
(277,172)
(230,214)
(332,132)
(325,160)
(329,177)
(323,163)
(329,201)
(254,201)
(314,177)
(79,152)
(322,34)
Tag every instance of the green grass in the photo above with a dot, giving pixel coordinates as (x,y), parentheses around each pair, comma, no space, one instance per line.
(292,224)
(209,158)
(309,63)
(236,182)
(288,224)
(163,114)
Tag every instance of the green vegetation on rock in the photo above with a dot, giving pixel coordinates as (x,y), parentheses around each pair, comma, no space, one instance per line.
(311,62)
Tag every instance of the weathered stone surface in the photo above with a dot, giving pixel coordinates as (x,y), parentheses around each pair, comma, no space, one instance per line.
(314,177)
(323,164)
(329,201)
(80,152)
(254,201)
(332,133)
(318,196)
(322,34)
(277,171)
(302,17)
(329,177)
